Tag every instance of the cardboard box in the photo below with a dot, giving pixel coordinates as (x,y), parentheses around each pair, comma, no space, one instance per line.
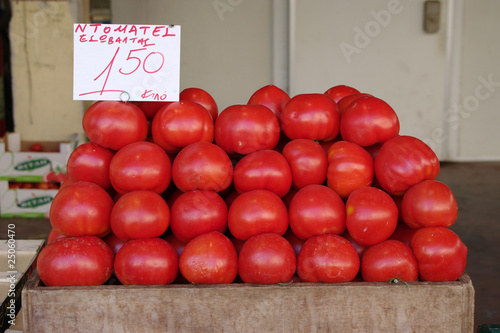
(23,202)
(24,166)
(238,307)
(17,258)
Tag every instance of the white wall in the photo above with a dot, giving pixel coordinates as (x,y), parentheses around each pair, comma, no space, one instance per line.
(225,44)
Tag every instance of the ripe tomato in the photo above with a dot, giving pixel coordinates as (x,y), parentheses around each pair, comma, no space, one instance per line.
(372,215)
(338,92)
(440,253)
(114,124)
(202,97)
(202,166)
(345,101)
(81,209)
(327,258)
(90,162)
(196,212)
(310,116)
(147,261)
(36,147)
(53,235)
(294,241)
(360,248)
(271,96)
(256,212)
(176,243)
(389,260)
(349,167)
(263,169)
(429,203)
(403,233)
(181,123)
(209,258)
(368,120)
(140,166)
(307,160)
(75,261)
(266,259)
(114,243)
(150,108)
(140,214)
(316,210)
(244,129)
(404,161)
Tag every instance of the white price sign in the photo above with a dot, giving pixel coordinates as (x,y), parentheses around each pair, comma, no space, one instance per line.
(126,62)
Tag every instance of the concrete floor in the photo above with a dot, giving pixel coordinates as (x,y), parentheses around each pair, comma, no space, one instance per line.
(477,189)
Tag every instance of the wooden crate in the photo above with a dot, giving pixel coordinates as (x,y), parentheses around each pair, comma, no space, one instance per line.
(238,307)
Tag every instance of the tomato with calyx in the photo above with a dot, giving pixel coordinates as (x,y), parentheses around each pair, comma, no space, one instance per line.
(202,97)
(114,124)
(75,261)
(140,166)
(181,123)
(308,162)
(148,261)
(340,91)
(263,169)
(429,203)
(310,116)
(440,253)
(404,161)
(349,167)
(202,166)
(244,129)
(266,259)
(90,162)
(271,96)
(389,260)
(327,258)
(371,215)
(369,120)
(209,258)
(81,209)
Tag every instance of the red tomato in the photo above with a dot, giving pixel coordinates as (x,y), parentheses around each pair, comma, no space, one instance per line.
(345,101)
(440,253)
(372,215)
(140,214)
(196,212)
(403,233)
(338,92)
(209,258)
(389,260)
(81,209)
(202,97)
(272,97)
(257,212)
(66,182)
(263,169)
(148,261)
(369,120)
(294,241)
(36,147)
(349,167)
(307,160)
(360,248)
(267,259)
(404,161)
(176,243)
(140,166)
(90,162)
(114,124)
(180,124)
(75,261)
(244,129)
(53,235)
(429,203)
(114,243)
(202,166)
(327,258)
(310,116)
(316,210)
(150,108)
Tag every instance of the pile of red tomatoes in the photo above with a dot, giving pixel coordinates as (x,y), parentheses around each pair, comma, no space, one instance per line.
(317,187)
